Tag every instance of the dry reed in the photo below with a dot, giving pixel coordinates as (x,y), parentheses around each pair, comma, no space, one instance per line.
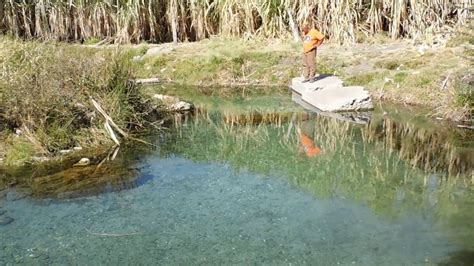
(164,20)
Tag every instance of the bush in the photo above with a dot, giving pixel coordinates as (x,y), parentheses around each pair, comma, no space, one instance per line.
(46,88)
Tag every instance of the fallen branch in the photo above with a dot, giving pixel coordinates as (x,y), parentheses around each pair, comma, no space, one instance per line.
(108,118)
(114,153)
(111,133)
(445,82)
(113,234)
(109,123)
(148,81)
(466,127)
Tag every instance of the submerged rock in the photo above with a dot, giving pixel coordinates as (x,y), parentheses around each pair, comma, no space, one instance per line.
(328,94)
(6,220)
(174,103)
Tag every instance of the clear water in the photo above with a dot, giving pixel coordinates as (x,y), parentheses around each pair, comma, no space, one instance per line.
(225,189)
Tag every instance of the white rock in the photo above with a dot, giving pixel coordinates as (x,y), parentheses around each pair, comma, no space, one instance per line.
(165,97)
(137,58)
(40,159)
(422,48)
(181,106)
(83,162)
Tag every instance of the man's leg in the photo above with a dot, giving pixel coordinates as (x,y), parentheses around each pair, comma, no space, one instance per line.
(311,59)
(306,70)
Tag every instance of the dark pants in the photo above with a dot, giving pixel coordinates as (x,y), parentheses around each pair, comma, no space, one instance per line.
(309,64)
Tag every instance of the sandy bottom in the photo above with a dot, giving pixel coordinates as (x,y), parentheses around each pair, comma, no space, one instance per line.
(192,213)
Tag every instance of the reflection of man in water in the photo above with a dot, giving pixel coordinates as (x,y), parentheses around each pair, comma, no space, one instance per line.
(306,135)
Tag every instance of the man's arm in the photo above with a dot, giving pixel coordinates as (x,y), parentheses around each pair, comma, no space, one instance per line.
(319,42)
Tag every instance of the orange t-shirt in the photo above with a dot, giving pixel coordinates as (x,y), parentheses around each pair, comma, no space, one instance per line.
(309,148)
(310,40)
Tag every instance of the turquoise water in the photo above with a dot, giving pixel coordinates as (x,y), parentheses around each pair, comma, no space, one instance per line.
(216,192)
(209,213)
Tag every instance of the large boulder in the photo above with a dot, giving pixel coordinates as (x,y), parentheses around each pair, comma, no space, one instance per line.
(328,94)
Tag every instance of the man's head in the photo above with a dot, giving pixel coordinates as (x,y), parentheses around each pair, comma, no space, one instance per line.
(305,27)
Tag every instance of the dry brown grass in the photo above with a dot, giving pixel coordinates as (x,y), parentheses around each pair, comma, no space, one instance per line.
(157,20)
(45,92)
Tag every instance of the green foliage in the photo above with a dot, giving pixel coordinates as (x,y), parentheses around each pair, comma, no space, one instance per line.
(465,97)
(47,89)
(361,80)
(223,62)
(400,77)
(388,64)
(424,81)
(91,41)
(19,152)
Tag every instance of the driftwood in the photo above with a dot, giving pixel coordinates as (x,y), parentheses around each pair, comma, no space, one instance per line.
(466,127)
(110,126)
(112,234)
(148,81)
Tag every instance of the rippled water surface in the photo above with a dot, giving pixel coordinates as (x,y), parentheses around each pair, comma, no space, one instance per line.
(239,188)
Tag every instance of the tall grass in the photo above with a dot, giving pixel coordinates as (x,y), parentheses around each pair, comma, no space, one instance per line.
(45,92)
(165,20)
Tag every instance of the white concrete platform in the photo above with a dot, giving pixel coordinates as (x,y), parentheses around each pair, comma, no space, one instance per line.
(328,94)
(359,117)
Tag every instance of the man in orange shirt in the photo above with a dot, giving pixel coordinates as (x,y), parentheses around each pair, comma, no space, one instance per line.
(312,39)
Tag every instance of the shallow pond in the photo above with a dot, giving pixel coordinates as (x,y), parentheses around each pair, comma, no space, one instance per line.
(236,184)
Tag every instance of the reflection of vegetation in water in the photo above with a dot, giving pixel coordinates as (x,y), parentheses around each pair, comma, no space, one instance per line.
(349,166)
(231,99)
(427,149)
(60,179)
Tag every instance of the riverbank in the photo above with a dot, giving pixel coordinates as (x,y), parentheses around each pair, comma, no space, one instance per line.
(46,88)
(57,98)
(435,74)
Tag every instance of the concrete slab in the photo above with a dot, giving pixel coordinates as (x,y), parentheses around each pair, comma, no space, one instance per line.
(329,95)
(321,82)
(362,117)
(337,99)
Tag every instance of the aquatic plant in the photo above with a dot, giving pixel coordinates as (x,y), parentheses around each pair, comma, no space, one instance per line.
(165,20)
